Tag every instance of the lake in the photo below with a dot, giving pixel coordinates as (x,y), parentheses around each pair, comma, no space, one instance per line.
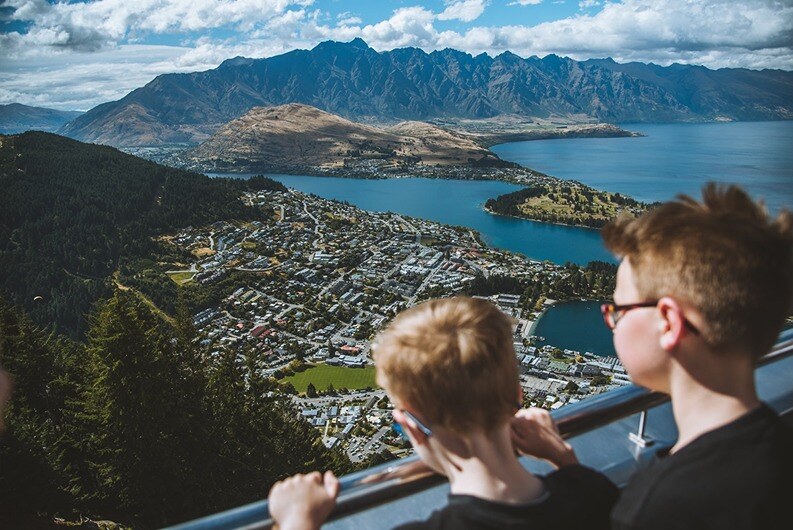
(671,159)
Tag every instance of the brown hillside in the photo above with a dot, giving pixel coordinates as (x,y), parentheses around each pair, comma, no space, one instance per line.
(296,135)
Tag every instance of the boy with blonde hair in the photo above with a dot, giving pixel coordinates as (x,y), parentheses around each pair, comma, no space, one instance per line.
(450,370)
(702,292)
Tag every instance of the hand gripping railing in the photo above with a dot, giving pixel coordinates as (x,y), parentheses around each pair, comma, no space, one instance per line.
(394,480)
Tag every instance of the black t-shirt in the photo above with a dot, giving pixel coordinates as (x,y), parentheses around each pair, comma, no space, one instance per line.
(577,498)
(739,476)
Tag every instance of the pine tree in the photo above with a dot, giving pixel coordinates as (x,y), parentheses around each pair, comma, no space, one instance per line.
(39,470)
(140,409)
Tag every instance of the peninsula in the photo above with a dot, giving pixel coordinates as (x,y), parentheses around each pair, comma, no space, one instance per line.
(564,202)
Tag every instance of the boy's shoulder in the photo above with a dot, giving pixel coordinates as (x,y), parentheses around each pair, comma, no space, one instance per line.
(576,497)
(726,478)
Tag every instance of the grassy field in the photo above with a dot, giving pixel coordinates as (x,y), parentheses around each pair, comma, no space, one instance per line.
(340,376)
(181,278)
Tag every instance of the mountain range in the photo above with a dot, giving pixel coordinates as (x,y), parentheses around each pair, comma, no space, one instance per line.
(16,118)
(355,81)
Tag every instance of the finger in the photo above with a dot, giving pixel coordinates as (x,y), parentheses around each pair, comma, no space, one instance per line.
(332,485)
(276,487)
(314,476)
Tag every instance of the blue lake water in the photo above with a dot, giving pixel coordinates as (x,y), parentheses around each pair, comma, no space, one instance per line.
(459,202)
(577,326)
(671,159)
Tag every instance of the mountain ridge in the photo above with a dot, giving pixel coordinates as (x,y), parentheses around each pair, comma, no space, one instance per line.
(17,118)
(357,82)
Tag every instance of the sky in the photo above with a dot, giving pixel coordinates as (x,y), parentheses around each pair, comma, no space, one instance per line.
(74,55)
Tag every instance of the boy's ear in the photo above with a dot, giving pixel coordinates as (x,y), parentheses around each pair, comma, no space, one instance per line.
(672,323)
(409,426)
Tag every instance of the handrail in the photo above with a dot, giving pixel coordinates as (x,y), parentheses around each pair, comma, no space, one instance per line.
(394,480)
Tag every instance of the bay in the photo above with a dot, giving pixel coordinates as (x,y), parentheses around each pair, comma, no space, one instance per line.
(458,202)
(672,159)
(576,325)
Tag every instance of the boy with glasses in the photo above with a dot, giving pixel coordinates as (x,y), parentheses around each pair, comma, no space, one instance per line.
(449,368)
(702,292)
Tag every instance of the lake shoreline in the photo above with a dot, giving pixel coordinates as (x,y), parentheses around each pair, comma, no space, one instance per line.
(491,212)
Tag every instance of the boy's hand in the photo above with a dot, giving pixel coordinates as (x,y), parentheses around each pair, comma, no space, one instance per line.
(303,502)
(534,433)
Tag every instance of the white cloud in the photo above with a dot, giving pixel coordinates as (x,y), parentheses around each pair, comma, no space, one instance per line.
(350,21)
(525,3)
(463,10)
(89,79)
(408,26)
(586,4)
(93,25)
(110,74)
(285,26)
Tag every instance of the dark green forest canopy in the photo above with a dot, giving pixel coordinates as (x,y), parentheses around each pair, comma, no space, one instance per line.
(69,211)
(136,426)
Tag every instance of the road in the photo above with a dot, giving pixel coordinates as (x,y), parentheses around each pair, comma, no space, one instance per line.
(374,443)
(316,225)
(412,299)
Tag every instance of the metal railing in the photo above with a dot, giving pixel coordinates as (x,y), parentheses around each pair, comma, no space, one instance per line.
(394,480)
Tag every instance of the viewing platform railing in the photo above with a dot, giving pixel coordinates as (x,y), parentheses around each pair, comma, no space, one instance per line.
(395,480)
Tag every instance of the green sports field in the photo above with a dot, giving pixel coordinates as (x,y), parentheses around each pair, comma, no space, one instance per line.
(340,376)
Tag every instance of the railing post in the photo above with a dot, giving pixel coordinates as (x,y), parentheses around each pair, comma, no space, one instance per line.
(639,437)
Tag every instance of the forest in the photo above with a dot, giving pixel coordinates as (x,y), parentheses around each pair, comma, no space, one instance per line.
(116,413)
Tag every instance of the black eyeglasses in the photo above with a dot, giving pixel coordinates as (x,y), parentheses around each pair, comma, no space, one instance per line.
(612,313)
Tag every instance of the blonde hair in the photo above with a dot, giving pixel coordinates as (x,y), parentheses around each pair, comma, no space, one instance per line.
(453,360)
(725,256)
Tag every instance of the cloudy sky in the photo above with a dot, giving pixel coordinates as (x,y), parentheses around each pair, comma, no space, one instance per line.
(73,55)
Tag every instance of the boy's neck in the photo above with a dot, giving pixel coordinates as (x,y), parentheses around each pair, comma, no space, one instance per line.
(492,471)
(704,400)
